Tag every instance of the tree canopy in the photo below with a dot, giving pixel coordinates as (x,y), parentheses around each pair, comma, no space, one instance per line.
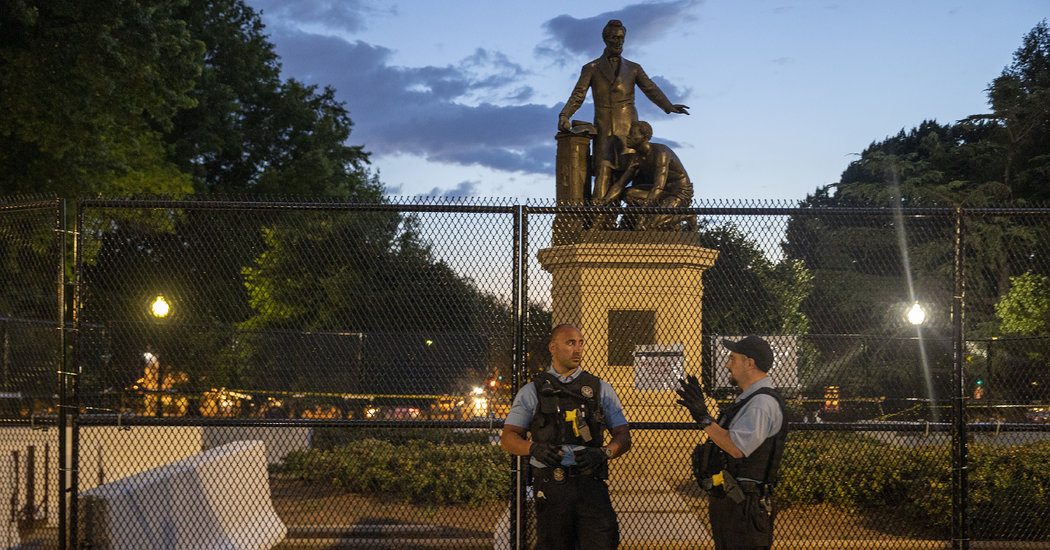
(176,98)
(115,75)
(868,266)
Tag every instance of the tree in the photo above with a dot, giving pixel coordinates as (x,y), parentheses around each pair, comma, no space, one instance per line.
(747,293)
(1020,101)
(867,267)
(424,327)
(1025,310)
(249,131)
(1024,314)
(115,73)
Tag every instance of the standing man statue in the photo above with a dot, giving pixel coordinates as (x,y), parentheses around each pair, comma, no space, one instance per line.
(612,80)
(739,463)
(567,410)
(656,177)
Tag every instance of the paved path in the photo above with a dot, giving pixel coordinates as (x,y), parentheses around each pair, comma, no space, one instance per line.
(649,511)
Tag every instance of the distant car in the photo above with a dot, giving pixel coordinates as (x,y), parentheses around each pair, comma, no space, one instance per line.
(1038,414)
(403,413)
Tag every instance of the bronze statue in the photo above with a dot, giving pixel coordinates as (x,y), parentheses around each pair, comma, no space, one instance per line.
(656,178)
(612,80)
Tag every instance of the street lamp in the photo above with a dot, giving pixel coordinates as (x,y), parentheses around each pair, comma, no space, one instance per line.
(160,307)
(916,315)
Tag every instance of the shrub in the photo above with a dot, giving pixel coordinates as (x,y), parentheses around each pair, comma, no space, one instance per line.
(417,471)
(329,438)
(850,470)
(1009,486)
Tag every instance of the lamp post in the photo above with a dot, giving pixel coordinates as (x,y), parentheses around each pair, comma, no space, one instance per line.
(160,309)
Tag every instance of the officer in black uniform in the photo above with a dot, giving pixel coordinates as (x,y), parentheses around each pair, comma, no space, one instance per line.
(567,410)
(738,463)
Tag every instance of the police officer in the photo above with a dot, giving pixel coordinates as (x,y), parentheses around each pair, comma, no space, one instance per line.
(566,410)
(738,463)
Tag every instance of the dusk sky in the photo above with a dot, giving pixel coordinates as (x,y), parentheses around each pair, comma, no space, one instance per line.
(461,98)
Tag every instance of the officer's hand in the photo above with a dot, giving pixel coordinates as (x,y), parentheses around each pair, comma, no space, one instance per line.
(589,458)
(692,398)
(546,453)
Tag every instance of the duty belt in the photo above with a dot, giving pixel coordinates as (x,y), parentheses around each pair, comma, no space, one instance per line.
(723,483)
(560,473)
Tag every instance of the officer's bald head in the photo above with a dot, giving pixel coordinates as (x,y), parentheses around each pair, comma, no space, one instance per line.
(561,329)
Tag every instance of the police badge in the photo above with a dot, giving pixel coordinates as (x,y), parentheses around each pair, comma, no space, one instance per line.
(559,474)
(587,391)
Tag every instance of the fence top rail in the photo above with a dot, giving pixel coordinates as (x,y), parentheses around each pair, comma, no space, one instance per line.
(479,205)
(334,205)
(29,204)
(127,421)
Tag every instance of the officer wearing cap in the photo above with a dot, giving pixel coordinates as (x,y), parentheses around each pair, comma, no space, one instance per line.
(739,462)
(566,410)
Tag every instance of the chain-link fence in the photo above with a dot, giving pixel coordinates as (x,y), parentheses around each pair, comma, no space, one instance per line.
(31,343)
(329,374)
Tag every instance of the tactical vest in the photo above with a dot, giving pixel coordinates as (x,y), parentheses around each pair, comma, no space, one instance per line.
(568,414)
(762,465)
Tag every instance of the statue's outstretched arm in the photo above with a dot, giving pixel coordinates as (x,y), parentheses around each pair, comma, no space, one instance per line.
(656,95)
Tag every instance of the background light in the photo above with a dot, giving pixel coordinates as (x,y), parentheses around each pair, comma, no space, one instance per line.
(159,307)
(916,315)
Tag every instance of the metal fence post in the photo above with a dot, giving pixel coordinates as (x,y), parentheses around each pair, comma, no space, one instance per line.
(518,369)
(67,406)
(960,538)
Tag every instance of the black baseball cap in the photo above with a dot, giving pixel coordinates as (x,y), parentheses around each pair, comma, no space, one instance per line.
(755,348)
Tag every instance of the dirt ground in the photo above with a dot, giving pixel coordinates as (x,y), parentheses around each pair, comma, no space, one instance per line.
(304,507)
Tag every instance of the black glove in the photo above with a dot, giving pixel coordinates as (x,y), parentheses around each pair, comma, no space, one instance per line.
(692,398)
(590,458)
(546,453)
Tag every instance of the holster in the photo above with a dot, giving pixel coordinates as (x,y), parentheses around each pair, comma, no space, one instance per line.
(732,488)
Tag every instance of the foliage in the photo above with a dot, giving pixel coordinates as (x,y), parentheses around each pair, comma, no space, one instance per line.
(189,92)
(1025,309)
(747,293)
(1009,490)
(852,471)
(115,74)
(322,274)
(857,473)
(416,471)
(328,438)
(1020,101)
(867,267)
(251,132)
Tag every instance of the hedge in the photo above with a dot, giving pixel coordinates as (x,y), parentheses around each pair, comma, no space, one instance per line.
(1009,486)
(417,471)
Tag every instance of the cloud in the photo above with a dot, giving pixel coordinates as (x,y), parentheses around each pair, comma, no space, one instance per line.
(475,111)
(332,15)
(645,23)
(435,112)
(464,189)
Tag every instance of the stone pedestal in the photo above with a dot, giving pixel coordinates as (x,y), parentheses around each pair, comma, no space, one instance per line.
(634,279)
